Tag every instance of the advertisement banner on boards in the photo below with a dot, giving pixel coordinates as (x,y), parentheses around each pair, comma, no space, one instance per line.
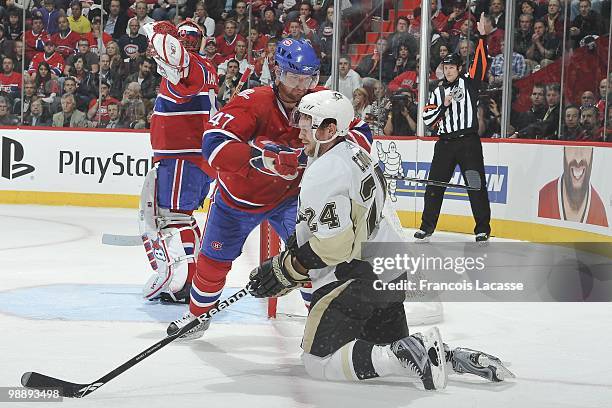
(74,161)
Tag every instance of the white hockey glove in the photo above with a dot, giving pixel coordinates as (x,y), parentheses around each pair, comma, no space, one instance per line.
(171,57)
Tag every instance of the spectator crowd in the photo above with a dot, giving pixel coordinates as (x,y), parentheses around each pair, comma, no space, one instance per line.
(87,63)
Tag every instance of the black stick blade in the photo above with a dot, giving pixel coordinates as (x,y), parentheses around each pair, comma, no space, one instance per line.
(472,179)
(67,389)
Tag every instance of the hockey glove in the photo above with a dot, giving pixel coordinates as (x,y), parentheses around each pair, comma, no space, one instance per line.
(275,277)
(171,57)
(277,160)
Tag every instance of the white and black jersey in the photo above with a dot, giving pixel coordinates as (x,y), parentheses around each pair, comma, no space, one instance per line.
(342,195)
(460,117)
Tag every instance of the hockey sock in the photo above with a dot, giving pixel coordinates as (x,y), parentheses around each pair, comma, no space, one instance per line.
(207,284)
(357,360)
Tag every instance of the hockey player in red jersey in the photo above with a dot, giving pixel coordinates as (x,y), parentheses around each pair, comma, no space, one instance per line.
(258,157)
(179,183)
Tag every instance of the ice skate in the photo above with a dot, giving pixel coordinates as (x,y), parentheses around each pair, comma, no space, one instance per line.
(192,334)
(422,355)
(465,360)
(482,239)
(422,237)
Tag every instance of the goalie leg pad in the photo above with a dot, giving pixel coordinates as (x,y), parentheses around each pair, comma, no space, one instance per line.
(170,233)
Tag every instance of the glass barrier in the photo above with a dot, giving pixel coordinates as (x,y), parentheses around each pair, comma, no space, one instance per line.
(87,64)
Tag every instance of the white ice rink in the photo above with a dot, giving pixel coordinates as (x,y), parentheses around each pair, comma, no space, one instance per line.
(70,307)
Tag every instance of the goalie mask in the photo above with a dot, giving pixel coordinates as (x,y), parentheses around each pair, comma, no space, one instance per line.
(190,35)
(322,108)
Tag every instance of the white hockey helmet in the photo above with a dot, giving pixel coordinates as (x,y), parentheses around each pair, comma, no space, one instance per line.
(323,105)
(328,104)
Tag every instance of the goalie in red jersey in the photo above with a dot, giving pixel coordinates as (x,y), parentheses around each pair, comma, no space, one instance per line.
(179,182)
(255,149)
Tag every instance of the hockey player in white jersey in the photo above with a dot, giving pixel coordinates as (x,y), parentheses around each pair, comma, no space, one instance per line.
(353,332)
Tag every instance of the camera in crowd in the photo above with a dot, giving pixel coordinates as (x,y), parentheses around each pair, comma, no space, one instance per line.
(402,98)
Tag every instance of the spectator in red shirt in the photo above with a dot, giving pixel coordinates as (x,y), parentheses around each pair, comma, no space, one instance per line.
(35,38)
(309,24)
(456,18)
(438,18)
(258,43)
(98,112)
(65,39)
(264,66)
(51,57)
(10,81)
(97,45)
(604,88)
(226,42)
(210,52)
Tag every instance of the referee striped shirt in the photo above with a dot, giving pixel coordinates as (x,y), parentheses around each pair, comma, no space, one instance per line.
(460,117)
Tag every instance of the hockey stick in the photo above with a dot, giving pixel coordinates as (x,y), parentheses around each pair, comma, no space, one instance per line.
(472,179)
(121,240)
(74,390)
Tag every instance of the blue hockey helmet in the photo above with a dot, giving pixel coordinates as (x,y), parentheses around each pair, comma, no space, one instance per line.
(297,56)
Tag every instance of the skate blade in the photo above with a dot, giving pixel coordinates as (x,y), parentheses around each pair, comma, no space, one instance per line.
(433,339)
(501,372)
(422,241)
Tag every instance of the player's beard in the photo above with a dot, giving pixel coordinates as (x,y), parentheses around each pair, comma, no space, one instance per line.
(290,96)
(576,190)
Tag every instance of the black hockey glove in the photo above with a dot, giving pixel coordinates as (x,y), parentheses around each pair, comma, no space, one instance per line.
(275,277)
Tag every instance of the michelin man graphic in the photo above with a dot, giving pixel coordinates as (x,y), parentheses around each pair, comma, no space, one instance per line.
(393,166)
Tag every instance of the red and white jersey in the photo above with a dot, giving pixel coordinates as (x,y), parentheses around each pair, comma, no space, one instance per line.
(66,45)
(256,116)
(550,204)
(35,42)
(55,61)
(215,59)
(94,42)
(102,112)
(10,83)
(182,110)
(226,48)
(310,23)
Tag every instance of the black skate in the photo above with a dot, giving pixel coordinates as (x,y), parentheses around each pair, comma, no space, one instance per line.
(422,237)
(194,333)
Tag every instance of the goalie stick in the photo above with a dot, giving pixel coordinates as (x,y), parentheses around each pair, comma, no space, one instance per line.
(74,390)
(121,240)
(472,179)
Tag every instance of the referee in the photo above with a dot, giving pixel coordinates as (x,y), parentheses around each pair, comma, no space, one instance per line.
(452,109)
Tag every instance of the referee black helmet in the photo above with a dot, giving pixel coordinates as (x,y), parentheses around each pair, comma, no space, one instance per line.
(454,59)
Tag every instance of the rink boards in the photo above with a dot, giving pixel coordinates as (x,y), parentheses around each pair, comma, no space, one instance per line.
(106,169)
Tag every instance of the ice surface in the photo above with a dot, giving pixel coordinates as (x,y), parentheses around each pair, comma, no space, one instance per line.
(70,308)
